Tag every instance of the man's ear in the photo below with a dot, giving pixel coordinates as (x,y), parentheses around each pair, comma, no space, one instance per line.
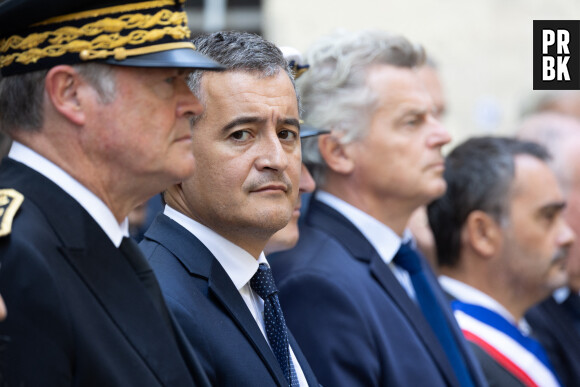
(335,154)
(482,233)
(63,86)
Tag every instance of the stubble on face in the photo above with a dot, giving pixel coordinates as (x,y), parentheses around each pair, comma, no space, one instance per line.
(538,238)
(248,160)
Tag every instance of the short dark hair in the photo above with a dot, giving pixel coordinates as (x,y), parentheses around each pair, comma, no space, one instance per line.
(479,175)
(240,51)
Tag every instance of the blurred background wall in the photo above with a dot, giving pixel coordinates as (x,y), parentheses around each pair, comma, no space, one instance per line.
(483,48)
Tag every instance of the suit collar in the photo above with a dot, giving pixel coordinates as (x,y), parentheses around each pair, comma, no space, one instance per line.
(189,251)
(384,240)
(237,262)
(329,220)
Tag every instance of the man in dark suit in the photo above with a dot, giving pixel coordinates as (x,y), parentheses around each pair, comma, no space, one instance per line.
(502,243)
(207,246)
(100,122)
(556,320)
(353,310)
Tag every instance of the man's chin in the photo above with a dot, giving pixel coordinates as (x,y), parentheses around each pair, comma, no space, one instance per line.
(437,189)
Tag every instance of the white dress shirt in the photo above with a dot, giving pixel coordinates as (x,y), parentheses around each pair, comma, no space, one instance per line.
(470,295)
(561,294)
(384,240)
(96,208)
(239,265)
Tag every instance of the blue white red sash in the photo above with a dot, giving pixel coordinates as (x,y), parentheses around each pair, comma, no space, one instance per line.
(522,356)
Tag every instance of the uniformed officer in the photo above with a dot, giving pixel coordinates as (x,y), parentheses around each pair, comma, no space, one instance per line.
(94,96)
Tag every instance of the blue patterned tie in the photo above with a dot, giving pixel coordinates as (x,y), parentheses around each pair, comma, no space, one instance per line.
(408,259)
(263,284)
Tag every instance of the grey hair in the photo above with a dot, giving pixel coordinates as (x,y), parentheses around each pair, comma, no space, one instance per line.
(479,175)
(239,51)
(21,96)
(334,91)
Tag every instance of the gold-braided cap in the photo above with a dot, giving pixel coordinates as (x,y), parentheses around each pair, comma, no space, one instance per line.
(111,34)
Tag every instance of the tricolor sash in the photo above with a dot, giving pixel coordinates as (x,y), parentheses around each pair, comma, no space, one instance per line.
(521,355)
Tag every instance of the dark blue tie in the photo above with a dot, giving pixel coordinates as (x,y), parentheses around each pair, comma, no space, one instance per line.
(408,259)
(263,284)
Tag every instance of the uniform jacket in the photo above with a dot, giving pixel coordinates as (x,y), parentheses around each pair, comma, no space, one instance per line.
(77,312)
(354,321)
(211,311)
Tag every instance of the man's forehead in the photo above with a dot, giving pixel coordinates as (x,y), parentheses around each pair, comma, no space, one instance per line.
(396,86)
(534,180)
(226,81)
(245,87)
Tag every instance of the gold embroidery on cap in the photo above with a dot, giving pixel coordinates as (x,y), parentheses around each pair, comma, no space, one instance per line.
(108,10)
(10,201)
(108,38)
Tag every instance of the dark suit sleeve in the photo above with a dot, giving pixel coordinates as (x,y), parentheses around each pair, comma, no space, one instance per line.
(495,374)
(331,329)
(36,333)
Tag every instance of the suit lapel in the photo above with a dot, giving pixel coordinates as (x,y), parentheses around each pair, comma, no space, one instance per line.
(203,264)
(107,275)
(333,223)
(226,293)
(123,296)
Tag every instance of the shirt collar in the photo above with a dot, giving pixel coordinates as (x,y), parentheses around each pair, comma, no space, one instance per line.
(96,208)
(468,294)
(385,241)
(237,262)
(560,295)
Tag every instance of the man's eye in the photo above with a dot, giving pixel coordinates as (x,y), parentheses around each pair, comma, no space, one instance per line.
(287,135)
(170,80)
(413,121)
(241,135)
(551,215)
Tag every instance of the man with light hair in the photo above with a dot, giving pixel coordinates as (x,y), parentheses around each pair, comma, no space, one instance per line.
(556,321)
(366,309)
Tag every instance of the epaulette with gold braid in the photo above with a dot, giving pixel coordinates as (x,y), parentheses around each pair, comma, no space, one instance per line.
(10,201)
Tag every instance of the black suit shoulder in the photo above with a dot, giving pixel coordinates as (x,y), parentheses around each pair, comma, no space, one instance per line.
(77,313)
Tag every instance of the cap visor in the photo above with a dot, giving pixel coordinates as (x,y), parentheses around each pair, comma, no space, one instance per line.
(310,131)
(179,58)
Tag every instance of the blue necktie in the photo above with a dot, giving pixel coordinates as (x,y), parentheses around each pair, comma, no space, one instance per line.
(408,259)
(263,284)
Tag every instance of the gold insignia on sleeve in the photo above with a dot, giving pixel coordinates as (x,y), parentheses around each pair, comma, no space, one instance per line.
(10,201)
